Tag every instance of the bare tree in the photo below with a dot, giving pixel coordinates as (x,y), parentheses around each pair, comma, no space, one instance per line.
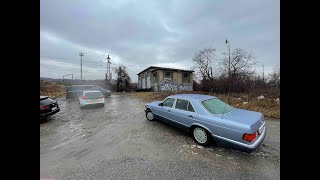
(203,63)
(123,79)
(275,77)
(240,63)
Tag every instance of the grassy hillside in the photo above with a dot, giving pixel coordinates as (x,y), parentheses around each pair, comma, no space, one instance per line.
(269,107)
(52,89)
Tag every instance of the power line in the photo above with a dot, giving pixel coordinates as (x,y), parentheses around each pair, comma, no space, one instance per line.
(67,60)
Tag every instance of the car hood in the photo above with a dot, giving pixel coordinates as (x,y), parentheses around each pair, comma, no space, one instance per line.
(154,103)
(246,117)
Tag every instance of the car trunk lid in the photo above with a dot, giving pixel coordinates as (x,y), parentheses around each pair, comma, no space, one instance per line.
(249,118)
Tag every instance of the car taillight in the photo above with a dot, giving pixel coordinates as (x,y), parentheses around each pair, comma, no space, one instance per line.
(44,107)
(84,97)
(250,137)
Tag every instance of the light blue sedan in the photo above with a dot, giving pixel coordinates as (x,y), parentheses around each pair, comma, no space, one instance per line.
(209,120)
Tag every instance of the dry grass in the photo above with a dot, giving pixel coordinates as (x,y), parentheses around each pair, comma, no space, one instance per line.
(268,107)
(52,89)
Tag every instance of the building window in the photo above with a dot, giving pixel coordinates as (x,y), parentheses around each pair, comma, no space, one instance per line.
(185,77)
(155,77)
(168,76)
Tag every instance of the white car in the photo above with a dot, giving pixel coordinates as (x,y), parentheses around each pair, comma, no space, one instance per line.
(91,97)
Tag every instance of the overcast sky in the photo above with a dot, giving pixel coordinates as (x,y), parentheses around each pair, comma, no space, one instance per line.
(142,33)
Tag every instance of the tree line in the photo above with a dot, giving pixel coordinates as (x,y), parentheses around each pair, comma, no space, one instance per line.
(219,74)
(237,70)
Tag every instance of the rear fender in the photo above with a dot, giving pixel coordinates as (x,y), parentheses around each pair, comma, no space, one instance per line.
(200,125)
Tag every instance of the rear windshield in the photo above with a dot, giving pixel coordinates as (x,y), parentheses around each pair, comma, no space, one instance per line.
(45,102)
(216,106)
(93,94)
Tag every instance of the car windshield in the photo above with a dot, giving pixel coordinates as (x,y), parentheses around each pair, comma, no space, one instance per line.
(46,101)
(93,94)
(216,106)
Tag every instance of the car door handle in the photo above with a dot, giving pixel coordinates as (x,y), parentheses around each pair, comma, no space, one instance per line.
(190,116)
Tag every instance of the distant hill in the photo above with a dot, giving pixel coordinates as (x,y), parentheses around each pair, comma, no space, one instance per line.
(50,79)
(75,80)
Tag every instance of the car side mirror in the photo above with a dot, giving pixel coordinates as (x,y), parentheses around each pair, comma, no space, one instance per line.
(160,104)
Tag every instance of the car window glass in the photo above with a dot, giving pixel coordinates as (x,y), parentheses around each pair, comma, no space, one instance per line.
(190,108)
(216,106)
(184,105)
(168,102)
(93,94)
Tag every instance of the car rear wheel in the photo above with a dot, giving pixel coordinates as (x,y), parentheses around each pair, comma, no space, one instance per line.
(150,115)
(201,136)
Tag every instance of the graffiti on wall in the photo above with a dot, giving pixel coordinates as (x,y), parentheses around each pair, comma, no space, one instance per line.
(185,88)
(170,86)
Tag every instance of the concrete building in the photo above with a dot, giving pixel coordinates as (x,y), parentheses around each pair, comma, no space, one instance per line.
(165,79)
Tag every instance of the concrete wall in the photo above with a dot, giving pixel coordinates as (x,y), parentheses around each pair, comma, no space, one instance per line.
(159,84)
(176,84)
(175,77)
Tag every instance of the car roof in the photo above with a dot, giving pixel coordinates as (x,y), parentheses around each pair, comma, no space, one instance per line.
(91,91)
(193,97)
(43,97)
(80,85)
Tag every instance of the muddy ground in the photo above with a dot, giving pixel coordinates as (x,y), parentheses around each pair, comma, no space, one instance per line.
(117,142)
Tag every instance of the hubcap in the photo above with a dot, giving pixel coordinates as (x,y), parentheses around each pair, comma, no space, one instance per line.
(200,135)
(150,115)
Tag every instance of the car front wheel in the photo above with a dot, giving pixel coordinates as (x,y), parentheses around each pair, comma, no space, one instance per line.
(201,136)
(150,115)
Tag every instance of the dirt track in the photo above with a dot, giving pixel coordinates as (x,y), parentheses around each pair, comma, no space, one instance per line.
(117,142)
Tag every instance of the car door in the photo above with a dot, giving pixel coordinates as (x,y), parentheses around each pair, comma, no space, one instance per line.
(166,108)
(184,113)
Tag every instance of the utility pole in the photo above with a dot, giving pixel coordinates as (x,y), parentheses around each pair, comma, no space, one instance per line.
(67,75)
(211,78)
(81,54)
(263,73)
(108,74)
(229,68)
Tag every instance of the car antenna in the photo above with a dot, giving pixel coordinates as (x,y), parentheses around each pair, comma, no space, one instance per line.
(227,101)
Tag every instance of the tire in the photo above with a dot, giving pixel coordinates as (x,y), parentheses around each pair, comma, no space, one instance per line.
(201,136)
(150,115)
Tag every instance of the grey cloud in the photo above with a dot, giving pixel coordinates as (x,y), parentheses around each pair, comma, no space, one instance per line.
(143,33)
